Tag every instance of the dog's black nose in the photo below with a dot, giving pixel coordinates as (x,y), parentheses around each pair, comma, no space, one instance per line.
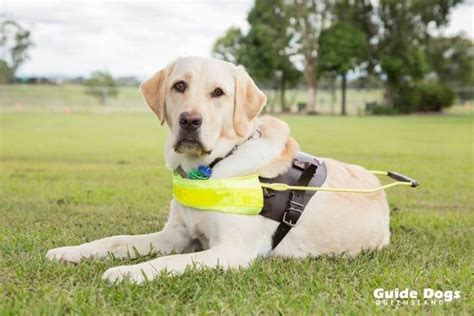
(190,121)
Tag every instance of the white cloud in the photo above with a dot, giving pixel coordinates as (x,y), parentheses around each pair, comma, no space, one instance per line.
(136,38)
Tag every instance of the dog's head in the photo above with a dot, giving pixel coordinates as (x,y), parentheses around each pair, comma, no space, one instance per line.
(203,100)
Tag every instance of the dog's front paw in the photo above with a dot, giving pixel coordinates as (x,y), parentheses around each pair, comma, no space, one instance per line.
(66,254)
(138,274)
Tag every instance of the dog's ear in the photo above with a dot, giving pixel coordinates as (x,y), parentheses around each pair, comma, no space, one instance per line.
(249,100)
(154,92)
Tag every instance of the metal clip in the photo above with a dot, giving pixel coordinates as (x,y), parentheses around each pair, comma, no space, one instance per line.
(289,222)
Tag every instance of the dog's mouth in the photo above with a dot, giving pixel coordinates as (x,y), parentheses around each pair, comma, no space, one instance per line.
(190,145)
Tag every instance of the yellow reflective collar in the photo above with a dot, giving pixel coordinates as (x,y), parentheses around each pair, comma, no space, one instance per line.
(236,195)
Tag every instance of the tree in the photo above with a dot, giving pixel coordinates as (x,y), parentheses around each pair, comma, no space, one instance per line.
(101,84)
(451,59)
(230,47)
(402,41)
(14,42)
(6,72)
(310,17)
(269,42)
(360,14)
(341,49)
(264,49)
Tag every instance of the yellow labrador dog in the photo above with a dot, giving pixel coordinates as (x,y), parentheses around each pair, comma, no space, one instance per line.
(210,107)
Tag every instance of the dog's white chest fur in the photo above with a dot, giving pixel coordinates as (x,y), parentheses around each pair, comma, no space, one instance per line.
(213,228)
(200,225)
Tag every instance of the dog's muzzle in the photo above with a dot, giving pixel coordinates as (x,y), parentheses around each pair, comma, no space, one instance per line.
(189,143)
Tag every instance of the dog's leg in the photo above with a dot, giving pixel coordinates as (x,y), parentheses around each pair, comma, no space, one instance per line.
(225,255)
(173,237)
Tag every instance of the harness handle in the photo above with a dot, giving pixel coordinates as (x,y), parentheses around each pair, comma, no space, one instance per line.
(403,178)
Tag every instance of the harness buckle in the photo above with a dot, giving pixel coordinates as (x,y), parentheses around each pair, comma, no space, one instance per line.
(299,164)
(289,221)
(293,212)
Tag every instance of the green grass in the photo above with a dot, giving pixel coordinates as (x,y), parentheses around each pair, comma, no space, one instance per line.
(52,96)
(71,178)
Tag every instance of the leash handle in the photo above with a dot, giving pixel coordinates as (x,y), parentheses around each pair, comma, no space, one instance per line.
(403,178)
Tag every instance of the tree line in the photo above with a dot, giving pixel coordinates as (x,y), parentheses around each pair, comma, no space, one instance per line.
(398,42)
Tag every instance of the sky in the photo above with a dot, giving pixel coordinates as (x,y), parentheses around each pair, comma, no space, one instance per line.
(73,38)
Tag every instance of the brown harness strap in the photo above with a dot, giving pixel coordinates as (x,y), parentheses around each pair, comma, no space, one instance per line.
(286,207)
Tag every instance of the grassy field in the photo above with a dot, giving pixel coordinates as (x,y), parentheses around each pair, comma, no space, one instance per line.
(44,97)
(71,178)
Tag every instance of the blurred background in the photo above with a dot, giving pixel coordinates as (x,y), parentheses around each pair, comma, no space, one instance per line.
(81,154)
(355,57)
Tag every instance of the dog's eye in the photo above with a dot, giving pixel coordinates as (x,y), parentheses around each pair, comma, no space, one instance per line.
(180,86)
(217,93)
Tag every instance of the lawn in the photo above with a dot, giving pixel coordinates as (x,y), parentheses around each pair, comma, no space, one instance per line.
(58,97)
(68,178)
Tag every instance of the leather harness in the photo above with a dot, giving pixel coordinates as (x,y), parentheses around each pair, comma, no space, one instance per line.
(286,207)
